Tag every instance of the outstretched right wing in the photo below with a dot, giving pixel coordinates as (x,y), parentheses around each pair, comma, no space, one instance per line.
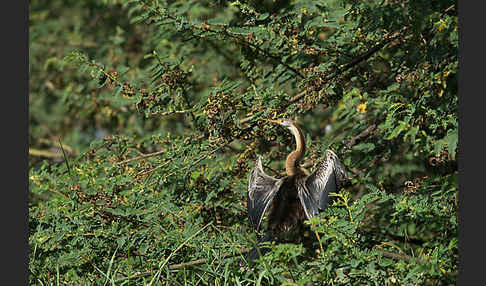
(261,191)
(327,178)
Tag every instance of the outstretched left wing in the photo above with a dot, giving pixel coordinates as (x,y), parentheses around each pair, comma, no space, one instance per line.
(261,191)
(327,178)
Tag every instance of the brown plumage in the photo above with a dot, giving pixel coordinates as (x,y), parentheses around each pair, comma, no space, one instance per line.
(293,198)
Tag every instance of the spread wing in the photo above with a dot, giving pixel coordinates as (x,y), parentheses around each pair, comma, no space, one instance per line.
(327,178)
(261,191)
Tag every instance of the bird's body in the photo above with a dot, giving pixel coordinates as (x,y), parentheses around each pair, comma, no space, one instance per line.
(294,198)
(286,211)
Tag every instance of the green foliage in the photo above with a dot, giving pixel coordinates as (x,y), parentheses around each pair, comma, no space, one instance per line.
(159,106)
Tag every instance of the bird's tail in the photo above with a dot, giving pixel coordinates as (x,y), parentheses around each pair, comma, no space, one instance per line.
(258,250)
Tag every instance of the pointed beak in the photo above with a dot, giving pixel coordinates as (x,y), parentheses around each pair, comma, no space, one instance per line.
(279,122)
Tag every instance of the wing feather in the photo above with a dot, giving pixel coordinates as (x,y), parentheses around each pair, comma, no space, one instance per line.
(262,188)
(327,178)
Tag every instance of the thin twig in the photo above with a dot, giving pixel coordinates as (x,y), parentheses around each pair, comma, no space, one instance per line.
(144,172)
(361,135)
(403,257)
(204,260)
(167,113)
(185,264)
(141,157)
(200,159)
(348,66)
(366,55)
(65,158)
(207,28)
(448,9)
(176,250)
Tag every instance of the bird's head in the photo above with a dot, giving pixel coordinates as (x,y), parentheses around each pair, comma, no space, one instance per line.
(282,122)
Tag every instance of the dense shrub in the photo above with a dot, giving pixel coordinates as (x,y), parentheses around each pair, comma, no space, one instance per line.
(146,118)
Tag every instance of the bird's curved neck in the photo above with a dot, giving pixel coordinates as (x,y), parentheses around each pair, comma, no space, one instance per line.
(293,159)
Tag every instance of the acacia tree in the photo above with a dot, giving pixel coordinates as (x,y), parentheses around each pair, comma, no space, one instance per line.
(161,114)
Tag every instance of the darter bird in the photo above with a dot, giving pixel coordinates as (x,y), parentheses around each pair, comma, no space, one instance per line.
(294,198)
